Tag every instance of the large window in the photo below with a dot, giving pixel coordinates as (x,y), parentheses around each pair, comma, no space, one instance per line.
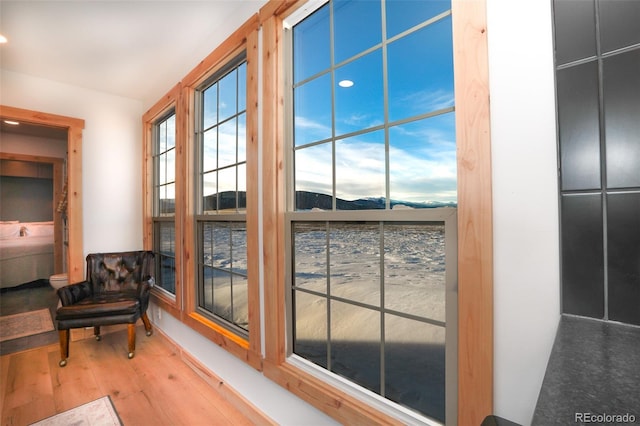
(373,181)
(164,236)
(221,211)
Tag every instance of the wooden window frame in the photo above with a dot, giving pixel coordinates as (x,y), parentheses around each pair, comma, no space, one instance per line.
(182,97)
(475,217)
(475,232)
(149,119)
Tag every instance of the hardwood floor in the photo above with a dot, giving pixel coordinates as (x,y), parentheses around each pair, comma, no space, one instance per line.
(156,387)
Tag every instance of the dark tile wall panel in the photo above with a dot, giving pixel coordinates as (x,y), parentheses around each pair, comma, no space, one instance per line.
(575,30)
(623,247)
(582,255)
(619,23)
(578,117)
(621,88)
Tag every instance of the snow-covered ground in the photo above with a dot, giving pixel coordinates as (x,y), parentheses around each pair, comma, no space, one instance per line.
(409,366)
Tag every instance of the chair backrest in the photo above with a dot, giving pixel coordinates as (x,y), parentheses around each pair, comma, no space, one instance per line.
(118,272)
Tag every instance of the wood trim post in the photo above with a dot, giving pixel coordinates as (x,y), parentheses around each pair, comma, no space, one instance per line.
(475,212)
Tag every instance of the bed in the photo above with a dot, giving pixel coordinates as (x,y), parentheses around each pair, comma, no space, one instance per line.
(26,252)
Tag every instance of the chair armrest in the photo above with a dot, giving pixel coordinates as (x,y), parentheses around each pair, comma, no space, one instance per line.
(73,293)
(144,290)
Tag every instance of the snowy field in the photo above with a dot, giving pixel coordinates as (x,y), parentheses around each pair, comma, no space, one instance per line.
(342,267)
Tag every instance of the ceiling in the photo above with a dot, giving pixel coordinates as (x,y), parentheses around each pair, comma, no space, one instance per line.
(137,49)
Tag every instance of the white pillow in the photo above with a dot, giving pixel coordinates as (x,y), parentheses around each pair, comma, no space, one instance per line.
(9,230)
(39,229)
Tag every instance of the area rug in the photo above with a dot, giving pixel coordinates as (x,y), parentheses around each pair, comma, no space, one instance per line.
(25,324)
(100,412)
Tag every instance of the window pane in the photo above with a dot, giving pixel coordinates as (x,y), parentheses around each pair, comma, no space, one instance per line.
(228,96)
(242,186)
(311,45)
(414,269)
(210,150)
(167,199)
(422,162)
(210,107)
(414,356)
(355,344)
(310,339)
(227,188)
(171,131)
(222,295)
(206,295)
(357,27)
(360,105)
(224,273)
(421,71)
(165,232)
(162,137)
(162,169)
(242,87)
(242,138)
(171,165)
(239,248)
(312,120)
(310,256)
(354,253)
(404,14)
(360,170)
(313,175)
(240,302)
(209,187)
(227,143)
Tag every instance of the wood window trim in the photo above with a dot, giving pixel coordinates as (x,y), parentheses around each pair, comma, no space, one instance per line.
(149,121)
(182,96)
(74,126)
(475,218)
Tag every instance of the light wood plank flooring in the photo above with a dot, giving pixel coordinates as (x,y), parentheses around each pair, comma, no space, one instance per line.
(156,387)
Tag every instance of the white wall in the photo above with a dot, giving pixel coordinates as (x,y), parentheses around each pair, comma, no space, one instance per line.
(111,155)
(525,201)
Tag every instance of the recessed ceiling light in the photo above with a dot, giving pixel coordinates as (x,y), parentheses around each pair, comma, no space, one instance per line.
(3,39)
(11,122)
(345,83)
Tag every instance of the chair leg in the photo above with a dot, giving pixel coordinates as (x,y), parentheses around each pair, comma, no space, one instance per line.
(96,333)
(147,324)
(131,332)
(64,347)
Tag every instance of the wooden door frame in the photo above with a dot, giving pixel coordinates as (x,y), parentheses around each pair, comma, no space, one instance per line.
(74,127)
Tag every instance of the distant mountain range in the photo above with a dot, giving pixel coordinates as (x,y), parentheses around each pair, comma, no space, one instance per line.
(307,201)
(310,200)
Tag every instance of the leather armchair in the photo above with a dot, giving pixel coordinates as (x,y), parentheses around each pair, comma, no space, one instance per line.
(116,291)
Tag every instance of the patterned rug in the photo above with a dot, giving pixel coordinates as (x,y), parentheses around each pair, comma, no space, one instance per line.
(100,412)
(25,324)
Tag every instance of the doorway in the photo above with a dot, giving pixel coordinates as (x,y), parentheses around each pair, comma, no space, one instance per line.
(73,257)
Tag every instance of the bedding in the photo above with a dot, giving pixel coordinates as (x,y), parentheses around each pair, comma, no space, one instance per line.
(26,252)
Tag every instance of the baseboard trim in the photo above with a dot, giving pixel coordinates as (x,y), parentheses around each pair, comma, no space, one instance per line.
(253,413)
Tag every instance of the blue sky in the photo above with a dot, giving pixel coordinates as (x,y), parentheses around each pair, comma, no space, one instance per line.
(419,76)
